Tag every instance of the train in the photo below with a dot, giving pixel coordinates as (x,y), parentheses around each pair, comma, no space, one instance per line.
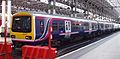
(33,29)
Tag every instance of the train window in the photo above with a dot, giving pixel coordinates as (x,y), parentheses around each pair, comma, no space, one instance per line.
(73,25)
(41,26)
(86,25)
(94,26)
(102,26)
(61,26)
(58,25)
(77,26)
(21,24)
(55,26)
(106,26)
(81,26)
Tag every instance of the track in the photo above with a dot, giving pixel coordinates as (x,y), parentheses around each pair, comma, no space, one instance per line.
(17,54)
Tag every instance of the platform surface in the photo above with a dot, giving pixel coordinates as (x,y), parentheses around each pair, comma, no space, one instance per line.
(106,48)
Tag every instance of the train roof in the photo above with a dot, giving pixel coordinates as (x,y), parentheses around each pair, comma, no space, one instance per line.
(63,17)
(53,16)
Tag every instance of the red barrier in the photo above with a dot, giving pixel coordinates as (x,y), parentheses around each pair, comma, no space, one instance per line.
(38,52)
(5,51)
(0,22)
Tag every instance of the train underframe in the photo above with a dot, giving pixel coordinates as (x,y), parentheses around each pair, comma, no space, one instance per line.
(58,41)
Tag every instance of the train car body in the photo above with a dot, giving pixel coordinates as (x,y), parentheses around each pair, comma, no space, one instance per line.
(27,28)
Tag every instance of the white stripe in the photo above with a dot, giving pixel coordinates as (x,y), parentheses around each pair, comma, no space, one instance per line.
(68,33)
(23,40)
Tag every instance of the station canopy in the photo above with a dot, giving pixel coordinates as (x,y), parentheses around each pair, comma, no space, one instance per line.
(64,7)
(115,4)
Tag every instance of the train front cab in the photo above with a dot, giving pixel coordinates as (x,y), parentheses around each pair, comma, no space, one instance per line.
(22,28)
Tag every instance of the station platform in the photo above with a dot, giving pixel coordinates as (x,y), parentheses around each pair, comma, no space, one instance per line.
(106,48)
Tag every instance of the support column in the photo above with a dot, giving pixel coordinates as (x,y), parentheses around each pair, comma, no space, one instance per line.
(54,4)
(3,16)
(72,5)
(49,8)
(76,3)
(8,13)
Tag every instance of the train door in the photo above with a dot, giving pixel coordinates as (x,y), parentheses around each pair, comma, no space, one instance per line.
(67,28)
(90,27)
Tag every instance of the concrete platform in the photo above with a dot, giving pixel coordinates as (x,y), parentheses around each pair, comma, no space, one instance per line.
(108,49)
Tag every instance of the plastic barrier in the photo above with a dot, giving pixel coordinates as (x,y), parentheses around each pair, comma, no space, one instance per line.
(38,52)
(5,51)
(0,22)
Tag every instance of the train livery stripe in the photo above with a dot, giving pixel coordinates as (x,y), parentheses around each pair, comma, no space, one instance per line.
(34,27)
(90,30)
(45,34)
(21,40)
(67,33)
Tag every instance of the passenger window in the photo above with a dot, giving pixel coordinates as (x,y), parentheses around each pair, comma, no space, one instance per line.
(55,26)
(61,26)
(86,26)
(81,26)
(94,26)
(73,25)
(101,26)
(58,25)
(42,26)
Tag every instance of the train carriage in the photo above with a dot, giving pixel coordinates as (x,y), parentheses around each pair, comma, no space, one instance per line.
(28,28)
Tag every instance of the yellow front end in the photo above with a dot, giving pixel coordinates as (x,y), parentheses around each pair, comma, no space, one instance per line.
(23,35)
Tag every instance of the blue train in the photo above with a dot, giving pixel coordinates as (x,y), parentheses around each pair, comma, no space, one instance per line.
(28,28)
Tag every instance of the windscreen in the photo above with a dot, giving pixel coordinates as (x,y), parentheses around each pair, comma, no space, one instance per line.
(21,24)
